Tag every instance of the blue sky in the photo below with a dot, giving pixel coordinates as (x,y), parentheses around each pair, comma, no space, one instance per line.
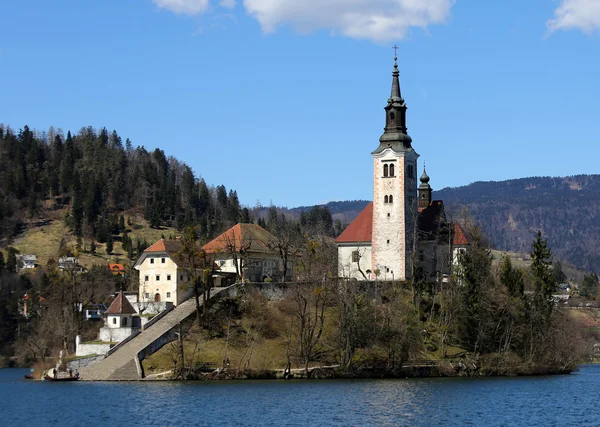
(283,100)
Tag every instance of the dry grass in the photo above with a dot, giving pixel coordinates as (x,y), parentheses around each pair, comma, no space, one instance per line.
(45,241)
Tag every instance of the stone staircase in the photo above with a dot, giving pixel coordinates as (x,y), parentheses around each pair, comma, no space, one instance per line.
(122,365)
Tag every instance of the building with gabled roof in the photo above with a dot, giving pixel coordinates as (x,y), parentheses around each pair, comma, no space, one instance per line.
(164,274)
(117,269)
(119,324)
(403,230)
(245,252)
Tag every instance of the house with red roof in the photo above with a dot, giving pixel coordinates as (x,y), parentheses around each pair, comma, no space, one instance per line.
(245,252)
(120,322)
(164,274)
(117,269)
(403,230)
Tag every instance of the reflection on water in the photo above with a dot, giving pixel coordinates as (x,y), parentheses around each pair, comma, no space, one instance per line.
(563,400)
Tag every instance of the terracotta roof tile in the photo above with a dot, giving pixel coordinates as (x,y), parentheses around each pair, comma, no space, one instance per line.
(116,267)
(252,236)
(459,236)
(157,247)
(120,305)
(361,229)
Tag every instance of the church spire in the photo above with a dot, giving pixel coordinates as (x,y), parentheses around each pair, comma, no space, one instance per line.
(396,94)
(395,134)
(424,191)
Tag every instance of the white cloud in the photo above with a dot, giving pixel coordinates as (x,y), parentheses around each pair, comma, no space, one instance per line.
(377,20)
(188,7)
(576,14)
(229,4)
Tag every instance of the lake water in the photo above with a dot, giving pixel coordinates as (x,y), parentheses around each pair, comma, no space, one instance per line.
(570,400)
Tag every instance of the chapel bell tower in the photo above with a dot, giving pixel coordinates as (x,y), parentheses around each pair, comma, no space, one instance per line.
(395,206)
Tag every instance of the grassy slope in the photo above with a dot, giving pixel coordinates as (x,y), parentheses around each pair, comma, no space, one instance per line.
(44,241)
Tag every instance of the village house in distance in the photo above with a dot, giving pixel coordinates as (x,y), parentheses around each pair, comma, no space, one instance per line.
(403,229)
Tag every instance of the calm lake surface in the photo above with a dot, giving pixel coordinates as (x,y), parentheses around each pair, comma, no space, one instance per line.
(570,400)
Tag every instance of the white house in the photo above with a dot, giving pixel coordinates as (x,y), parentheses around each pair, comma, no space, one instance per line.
(163,276)
(26,261)
(247,250)
(118,326)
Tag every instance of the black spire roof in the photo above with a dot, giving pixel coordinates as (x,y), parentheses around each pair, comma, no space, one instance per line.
(395,133)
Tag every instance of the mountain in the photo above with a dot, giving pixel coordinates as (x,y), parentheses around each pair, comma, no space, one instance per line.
(566,210)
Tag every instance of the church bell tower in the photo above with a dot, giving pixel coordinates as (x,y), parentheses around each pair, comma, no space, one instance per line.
(395,206)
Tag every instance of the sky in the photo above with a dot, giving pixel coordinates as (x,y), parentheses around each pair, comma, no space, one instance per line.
(282,100)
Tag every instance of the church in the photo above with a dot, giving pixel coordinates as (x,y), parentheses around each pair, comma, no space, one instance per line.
(403,232)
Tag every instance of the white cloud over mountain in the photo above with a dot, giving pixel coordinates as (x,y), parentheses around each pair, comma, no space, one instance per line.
(583,15)
(377,20)
(188,7)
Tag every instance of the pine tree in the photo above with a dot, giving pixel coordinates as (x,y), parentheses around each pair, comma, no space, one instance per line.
(109,246)
(76,205)
(11,260)
(511,278)
(545,285)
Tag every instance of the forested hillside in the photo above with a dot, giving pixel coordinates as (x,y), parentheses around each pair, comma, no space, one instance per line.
(566,210)
(97,178)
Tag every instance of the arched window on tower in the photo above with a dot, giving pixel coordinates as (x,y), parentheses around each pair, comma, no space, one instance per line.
(391,199)
(391,170)
(392,118)
(385,170)
(385,199)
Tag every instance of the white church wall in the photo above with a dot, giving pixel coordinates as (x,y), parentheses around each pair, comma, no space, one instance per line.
(348,267)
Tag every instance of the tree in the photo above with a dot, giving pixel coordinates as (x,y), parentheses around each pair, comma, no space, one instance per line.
(199,276)
(309,313)
(589,286)
(511,278)
(545,285)
(476,264)
(2,264)
(11,260)
(109,245)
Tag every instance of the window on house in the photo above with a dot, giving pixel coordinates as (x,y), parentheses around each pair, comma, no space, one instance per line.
(151,260)
(391,200)
(391,170)
(387,270)
(168,294)
(124,321)
(157,278)
(355,256)
(388,242)
(114,320)
(163,260)
(385,170)
(146,278)
(147,295)
(385,199)
(388,215)
(181,277)
(168,277)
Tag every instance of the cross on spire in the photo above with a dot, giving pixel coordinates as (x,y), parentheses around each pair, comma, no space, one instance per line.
(395,50)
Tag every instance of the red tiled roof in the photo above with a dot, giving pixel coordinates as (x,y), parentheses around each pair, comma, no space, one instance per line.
(459,236)
(359,230)
(116,267)
(120,305)
(250,236)
(157,247)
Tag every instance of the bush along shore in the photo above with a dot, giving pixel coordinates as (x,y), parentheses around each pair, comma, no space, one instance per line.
(482,322)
